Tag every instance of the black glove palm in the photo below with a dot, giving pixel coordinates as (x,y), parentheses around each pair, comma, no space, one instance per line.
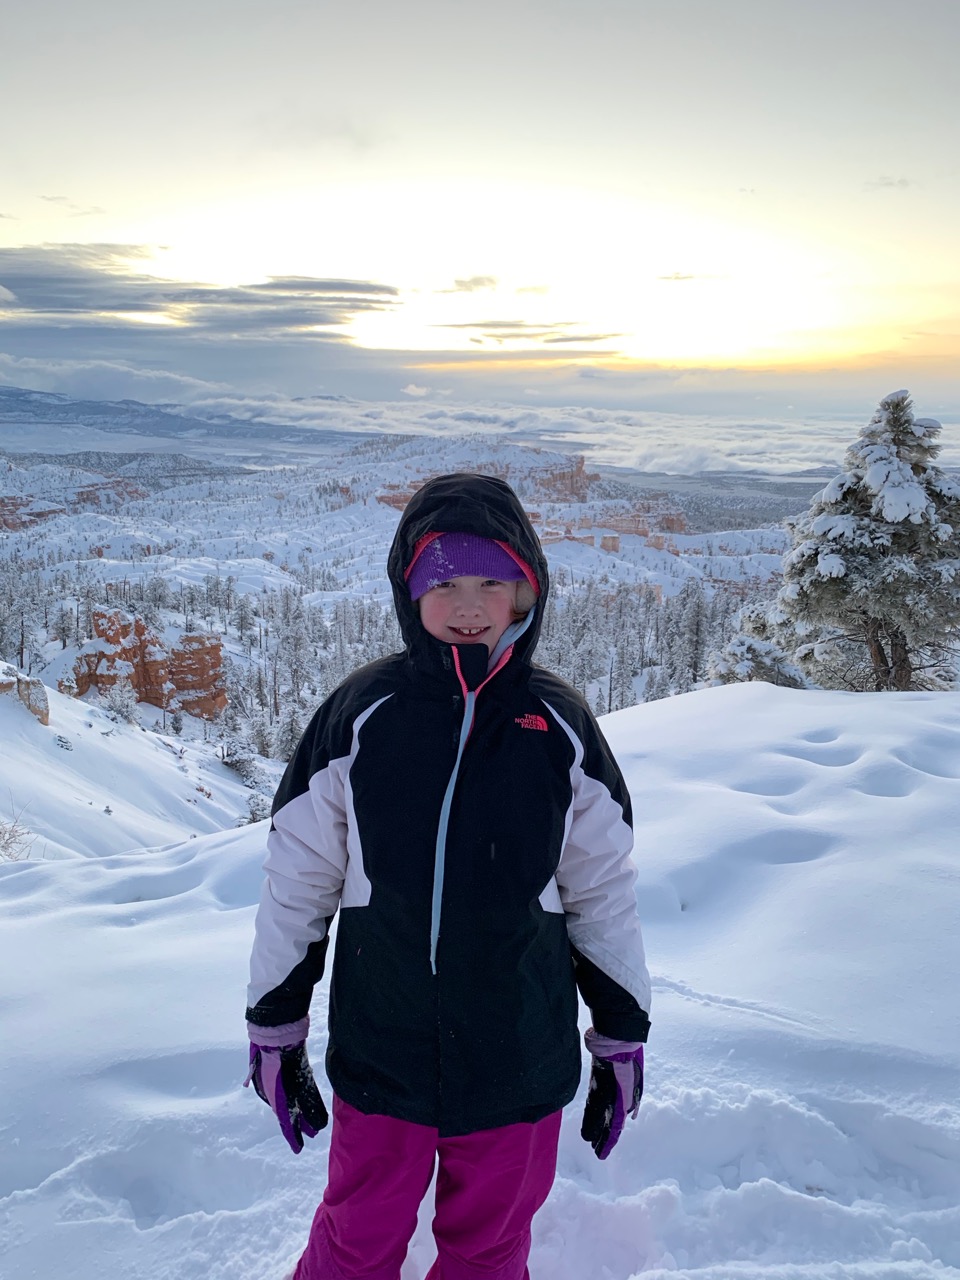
(615,1090)
(284,1080)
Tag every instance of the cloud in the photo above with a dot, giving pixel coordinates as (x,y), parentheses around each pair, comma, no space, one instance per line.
(414,390)
(90,322)
(94,306)
(96,285)
(297,124)
(679,275)
(100,379)
(887,183)
(6,295)
(308,284)
(555,334)
(583,337)
(509,330)
(73,210)
(474,283)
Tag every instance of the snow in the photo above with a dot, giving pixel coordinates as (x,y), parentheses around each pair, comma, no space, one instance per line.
(801,896)
(831,566)
(62,777)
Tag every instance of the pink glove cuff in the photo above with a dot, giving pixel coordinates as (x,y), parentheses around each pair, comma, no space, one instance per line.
(606,1047)
(288,1033)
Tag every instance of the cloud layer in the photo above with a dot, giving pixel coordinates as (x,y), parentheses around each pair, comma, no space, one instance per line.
(89,320)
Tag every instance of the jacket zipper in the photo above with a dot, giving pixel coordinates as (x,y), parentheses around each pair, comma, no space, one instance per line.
(440,853)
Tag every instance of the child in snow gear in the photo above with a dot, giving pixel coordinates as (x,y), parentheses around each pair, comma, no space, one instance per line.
(461,810)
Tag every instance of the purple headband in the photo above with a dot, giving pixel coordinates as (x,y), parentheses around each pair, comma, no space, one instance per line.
(442,556)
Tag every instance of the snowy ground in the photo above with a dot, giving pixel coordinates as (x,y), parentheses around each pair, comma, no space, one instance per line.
(801,889)
(85,785)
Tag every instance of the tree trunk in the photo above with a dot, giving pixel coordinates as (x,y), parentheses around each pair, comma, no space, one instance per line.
(902,673)
(881,666)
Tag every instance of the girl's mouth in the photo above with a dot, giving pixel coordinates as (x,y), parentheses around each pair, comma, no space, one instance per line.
(469,633)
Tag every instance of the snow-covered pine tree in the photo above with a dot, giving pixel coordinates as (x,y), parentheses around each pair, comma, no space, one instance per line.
(871,586)
(63,625)
(751,653)
(120,701)
(621,682)
(287,732)
(657,685)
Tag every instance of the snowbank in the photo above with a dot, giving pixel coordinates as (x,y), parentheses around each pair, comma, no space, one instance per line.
(801,891)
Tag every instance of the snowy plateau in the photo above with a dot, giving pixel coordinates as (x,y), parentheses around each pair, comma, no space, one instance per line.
(799,883)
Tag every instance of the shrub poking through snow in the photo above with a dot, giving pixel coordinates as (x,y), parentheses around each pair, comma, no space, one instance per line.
(15,840)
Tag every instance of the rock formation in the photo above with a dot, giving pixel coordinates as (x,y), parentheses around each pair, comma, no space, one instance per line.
(28,689)
(21,511)
(196,674)
(188,675)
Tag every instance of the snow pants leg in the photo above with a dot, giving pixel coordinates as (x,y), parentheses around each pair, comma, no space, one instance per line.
(489,1186)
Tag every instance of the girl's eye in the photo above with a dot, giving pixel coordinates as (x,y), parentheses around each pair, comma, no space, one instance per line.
(494,582)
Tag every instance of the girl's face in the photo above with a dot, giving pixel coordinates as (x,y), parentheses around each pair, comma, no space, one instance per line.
(469,610)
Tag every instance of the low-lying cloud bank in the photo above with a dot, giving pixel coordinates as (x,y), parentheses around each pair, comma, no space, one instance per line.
(86,321)
(680,443)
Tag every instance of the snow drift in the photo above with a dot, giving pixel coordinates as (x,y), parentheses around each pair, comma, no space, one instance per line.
(800,887)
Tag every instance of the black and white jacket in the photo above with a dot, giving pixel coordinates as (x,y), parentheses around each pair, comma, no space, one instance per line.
(474,832)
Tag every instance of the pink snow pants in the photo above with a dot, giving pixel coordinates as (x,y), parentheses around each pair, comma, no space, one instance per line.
(489,1186)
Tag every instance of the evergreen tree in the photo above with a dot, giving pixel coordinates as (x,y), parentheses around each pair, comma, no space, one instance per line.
(63,626)
(745,657)
(751,653)
(261,737)
(657,685)
(621,680)
(294,651)
(243,617)
(288,732)
(692,632)
(120,702)
(871,586)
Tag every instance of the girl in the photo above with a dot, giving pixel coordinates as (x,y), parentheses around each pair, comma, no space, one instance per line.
(462,810)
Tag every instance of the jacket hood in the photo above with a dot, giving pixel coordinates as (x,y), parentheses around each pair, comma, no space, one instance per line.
(464,502)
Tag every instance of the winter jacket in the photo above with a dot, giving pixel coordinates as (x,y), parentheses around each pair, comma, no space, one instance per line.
(429,799)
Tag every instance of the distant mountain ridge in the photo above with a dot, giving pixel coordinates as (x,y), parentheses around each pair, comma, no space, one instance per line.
(20,406)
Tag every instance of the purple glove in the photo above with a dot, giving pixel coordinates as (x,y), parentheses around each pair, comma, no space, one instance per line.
(616,1087)
(281,1075)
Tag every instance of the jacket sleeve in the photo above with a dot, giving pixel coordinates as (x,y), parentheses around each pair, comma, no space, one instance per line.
(596,879)
(305,870)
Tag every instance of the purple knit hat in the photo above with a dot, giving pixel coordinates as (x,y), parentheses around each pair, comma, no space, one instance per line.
(442,556)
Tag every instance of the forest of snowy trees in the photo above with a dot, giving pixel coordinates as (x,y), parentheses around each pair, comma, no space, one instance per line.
(616,642)
(870,598)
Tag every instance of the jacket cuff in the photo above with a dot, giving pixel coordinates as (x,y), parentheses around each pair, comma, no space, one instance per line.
(624,1025)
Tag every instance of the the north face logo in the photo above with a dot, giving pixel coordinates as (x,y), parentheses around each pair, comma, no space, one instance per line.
(530,721)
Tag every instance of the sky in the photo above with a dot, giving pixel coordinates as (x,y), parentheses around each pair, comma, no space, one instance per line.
(693,206)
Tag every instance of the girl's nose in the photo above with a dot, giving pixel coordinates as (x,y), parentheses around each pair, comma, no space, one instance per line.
(469,602)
